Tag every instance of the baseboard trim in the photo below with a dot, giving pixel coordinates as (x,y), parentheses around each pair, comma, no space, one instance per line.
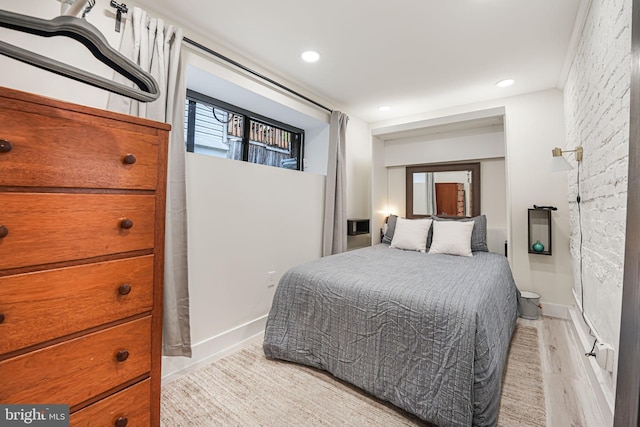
(555,310)
(606,400)
(212,349)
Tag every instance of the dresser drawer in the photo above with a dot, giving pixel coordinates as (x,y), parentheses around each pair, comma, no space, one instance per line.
(131,407)
(54,150)
(48,304)
(76,370)
(51,227)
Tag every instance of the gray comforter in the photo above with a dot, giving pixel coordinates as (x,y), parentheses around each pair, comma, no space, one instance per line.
(426,332)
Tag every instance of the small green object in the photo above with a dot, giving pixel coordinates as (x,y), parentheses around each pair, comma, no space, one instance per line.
(538,247)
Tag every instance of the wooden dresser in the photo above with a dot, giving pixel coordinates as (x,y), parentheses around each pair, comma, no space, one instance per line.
(450,198)
(82,196)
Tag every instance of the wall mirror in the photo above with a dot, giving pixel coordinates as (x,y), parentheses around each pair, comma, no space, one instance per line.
(445,189)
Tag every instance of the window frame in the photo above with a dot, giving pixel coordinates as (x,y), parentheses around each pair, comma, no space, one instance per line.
(247,117)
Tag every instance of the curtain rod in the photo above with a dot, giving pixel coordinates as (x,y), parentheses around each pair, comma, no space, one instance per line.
(255,73)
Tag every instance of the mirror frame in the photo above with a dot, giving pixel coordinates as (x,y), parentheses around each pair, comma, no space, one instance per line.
(444,167)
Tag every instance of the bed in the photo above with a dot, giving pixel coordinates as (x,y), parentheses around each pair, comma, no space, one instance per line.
(427,332)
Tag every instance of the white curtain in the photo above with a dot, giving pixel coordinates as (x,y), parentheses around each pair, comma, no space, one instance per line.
(157,49)
(334,239)
(430,186)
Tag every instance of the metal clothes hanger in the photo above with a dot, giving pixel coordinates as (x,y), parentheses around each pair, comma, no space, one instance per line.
(85,33)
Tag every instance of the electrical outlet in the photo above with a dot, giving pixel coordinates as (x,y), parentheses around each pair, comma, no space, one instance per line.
(604,356)
(271,279)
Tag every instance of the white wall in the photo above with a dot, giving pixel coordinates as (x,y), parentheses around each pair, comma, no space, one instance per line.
(494,202)
(358,154)
(244,220)
(454,146)
(380,204)
(19,76)
(534,124)
(597,115)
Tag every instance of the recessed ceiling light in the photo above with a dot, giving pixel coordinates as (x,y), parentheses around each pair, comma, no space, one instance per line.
(310,56)
(505,83)
(384,108)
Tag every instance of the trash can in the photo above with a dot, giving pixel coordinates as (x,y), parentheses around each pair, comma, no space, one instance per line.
(529,305)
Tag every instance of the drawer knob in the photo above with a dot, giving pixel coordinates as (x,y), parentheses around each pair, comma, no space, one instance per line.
(122,355)
(129,159)
(5,146)
(124,289)
(4,231)
(121,422)
(1,317)
(126,223)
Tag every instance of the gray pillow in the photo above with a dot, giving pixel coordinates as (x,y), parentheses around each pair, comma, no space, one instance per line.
(391,228)
(478,235)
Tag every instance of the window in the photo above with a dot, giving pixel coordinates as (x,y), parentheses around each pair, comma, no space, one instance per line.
(220,129)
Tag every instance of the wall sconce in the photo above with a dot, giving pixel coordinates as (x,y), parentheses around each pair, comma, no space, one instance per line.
(559,163)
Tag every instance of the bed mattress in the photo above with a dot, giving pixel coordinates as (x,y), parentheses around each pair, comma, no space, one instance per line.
(427,332)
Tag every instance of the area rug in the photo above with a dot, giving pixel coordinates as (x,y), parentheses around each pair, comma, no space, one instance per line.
(245,389)
(522,396)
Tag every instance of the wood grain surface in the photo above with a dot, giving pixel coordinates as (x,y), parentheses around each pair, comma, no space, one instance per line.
(131,404)
(79,369)
(48,304)
(52,227)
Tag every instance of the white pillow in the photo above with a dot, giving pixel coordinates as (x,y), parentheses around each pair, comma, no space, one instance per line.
(411,234)
(452,237)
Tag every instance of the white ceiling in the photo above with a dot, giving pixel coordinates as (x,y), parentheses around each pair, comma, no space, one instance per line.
(414,55)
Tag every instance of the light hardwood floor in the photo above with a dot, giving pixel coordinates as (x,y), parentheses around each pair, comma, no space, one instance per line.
(569,398)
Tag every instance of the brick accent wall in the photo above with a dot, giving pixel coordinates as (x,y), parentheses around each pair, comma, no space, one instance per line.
(596,103)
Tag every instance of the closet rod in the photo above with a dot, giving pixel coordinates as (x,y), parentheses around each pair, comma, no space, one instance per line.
(255,73)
